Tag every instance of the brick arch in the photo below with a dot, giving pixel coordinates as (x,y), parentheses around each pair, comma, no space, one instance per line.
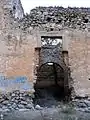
(65,72)
(52,55)
(61,63)
(40,66)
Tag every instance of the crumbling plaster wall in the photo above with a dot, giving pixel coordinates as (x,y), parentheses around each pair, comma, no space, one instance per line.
(16,53)
(79,63)
(18,58)
(77,44)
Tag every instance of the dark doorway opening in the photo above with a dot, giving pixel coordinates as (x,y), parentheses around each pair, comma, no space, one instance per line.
(49,87)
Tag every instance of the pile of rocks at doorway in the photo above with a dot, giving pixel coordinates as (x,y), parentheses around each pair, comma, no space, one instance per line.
(16,100)
(82,105)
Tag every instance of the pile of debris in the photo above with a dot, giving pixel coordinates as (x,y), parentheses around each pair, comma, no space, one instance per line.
(16,100)
(50,18)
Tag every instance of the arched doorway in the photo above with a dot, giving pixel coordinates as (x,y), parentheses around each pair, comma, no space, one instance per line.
(51,70)
(49,83)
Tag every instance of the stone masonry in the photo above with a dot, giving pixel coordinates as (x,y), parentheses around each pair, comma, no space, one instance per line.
(20,45)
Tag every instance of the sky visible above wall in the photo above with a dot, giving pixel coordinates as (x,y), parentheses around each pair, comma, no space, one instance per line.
(29,4)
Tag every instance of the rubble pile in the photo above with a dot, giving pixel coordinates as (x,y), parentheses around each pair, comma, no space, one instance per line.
(16,100)
(57,18)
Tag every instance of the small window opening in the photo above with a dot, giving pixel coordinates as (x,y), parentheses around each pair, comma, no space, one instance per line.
(51,40)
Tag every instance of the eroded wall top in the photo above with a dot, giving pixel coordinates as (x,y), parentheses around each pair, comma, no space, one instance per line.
(49,18)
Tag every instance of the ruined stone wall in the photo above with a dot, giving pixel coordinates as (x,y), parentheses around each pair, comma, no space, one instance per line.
(57,18)
(14,6)
(16,63)
(20,38)
(79,55)
(76,44)
(73,26)
(16,52)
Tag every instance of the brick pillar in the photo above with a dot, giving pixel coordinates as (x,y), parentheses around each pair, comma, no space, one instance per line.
(37,58)
(65,57)
(66,75)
